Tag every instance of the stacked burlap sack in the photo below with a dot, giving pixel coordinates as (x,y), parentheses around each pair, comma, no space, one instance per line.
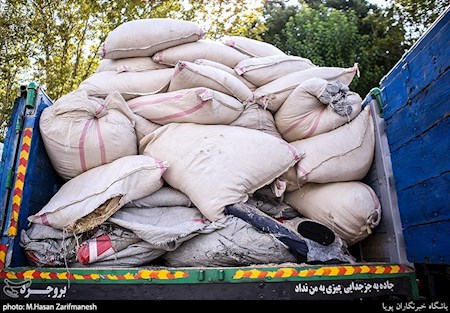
(173,128)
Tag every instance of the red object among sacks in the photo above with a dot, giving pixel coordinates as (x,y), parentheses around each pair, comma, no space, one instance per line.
(91,251)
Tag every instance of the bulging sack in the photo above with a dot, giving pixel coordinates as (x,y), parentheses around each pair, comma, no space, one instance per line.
(195,105)
(202,49)
(128,84)
(315,107)
(273,94)
(343,154)
(143,126)
(251,47)
(255,117)
(126,179)
(227,69)
(129,65)
(145,37)
(350,209)
(189,75)
(81,132)
(163,197)
(218,165)
(261,71)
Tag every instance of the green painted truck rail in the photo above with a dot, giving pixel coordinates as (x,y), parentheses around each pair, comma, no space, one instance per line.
(206,275)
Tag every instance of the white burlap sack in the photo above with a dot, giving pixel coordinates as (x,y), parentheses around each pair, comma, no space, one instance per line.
(255,117)
(163,197)
(145,37)
(81,132)
(251,47)
(202,49)
(128,84)
(129,65)
(343,154)
(261,71)
(189,75)
(273,94)
(195,105)
(143,126)
(128,178)
(218,165)
(303,114)
(350,209)
(227,69)
(291,179)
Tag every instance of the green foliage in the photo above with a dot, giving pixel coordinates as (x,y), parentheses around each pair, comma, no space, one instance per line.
(382,44)
(327,37)
(340,33)
(277,14)
(417,15)
(15,47)
(231,17)
(359,7)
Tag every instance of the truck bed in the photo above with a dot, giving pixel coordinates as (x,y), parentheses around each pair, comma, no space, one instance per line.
(28,181)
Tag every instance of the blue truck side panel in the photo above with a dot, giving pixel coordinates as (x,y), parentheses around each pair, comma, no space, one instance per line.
(421,114)
(7,158)
(430,243)
(416,103)
(434,190)
(41,180)
(425,62)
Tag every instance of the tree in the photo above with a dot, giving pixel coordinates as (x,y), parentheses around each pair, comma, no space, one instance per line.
(327,37)
(15,46)
(417,15)
(382,45)
(277,14)
(231,17)
(339,33)
(360,8)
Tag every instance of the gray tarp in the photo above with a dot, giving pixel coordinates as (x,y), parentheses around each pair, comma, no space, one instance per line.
(235,245)
(157,230)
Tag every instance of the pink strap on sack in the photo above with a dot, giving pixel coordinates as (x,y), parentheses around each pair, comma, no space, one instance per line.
(158,57)
(201,33)
(303,172)
(294,152)
(199,220)
(101,109)
(100,142)
(44,219)
(316,123)
(81,144)
(231,43)
(162,168)
(180,114)
(240,70)
(157,101)
(294,125)
(178,68)
(103,50)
